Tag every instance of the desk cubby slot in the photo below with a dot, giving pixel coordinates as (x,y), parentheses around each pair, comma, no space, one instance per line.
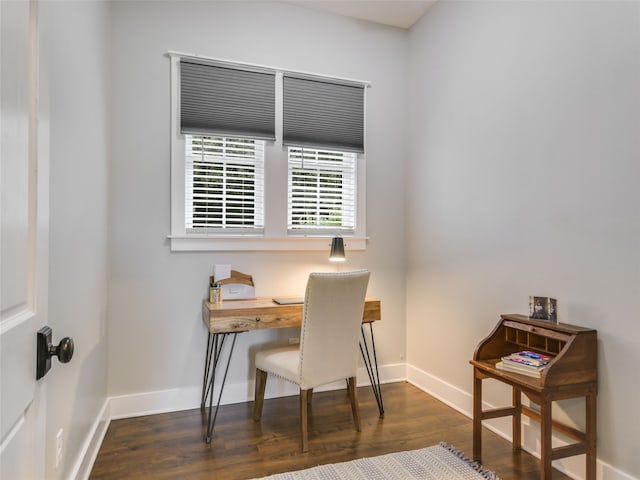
(554,346)
(537,342)
(525,339)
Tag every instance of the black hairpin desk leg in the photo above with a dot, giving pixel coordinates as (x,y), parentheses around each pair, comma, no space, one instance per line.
(215,344)
(207,364)
(372,367)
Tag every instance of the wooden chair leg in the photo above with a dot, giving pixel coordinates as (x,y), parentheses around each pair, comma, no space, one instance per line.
(304,399)
(354,402)
(309,396)
(261,383)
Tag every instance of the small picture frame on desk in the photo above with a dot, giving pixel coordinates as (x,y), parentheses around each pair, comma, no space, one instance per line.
(543,308)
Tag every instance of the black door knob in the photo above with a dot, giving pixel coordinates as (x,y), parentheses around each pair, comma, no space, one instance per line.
(64,350)
(45,350)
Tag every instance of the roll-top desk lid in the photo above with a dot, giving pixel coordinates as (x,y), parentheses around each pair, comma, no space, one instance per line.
(573,348)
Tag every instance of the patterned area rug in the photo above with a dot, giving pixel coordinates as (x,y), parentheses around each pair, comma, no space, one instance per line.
(440,462)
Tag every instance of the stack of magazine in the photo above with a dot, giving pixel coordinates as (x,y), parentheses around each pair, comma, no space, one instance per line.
(524,362)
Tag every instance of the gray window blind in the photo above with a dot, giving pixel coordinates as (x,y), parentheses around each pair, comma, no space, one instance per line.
(318,112)
(227,101)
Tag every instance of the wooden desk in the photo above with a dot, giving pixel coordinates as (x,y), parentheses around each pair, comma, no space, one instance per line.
(572,373)
(227,319)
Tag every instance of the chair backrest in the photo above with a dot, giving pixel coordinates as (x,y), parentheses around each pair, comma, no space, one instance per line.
(333,308)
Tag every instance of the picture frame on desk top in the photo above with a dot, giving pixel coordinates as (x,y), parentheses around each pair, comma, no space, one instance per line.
(543,308)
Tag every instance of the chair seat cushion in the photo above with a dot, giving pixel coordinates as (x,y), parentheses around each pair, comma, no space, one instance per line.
(283,362)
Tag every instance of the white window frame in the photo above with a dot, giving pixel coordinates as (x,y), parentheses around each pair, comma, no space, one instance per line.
(275,236)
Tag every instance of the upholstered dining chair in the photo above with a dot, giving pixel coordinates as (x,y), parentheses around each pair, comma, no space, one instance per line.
(328,349)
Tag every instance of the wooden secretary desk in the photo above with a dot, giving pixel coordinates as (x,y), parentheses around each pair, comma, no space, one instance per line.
(571,373)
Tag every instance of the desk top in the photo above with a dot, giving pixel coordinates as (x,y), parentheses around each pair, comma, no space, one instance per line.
(232,316)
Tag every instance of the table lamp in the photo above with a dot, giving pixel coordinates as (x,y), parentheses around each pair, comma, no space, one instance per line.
(337,250)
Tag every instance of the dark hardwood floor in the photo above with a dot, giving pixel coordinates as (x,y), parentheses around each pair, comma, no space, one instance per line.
(171,446)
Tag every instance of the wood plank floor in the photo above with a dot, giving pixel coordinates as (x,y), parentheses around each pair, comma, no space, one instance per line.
(171,446)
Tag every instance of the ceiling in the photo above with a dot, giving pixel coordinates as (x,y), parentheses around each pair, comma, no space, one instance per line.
(397,13)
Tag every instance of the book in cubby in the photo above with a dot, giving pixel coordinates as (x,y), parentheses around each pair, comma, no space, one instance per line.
(535,372)
(527,357)
(525,362)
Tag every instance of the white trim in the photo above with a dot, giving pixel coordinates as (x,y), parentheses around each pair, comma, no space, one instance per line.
(12,321)
(11,434)
(83,465)
(177,151)
(177,399)
(456,398)
(151,403)
(604,471)
(245,243)
(447,393)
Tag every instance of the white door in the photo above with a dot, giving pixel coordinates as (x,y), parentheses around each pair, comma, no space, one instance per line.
(23,243)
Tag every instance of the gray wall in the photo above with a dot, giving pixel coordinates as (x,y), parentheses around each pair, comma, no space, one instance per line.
(76,42)
(522,180)
(156,335)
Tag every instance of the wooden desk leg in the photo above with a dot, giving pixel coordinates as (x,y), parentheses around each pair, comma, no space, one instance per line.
(517,419)
(545,438)
(591,429)
(477,416)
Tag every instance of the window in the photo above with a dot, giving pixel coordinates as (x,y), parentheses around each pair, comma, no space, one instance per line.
(321,191)
(254,170)
(224,184)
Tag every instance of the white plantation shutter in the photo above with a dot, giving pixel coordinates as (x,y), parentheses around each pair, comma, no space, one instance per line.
(224,185)
(322,191)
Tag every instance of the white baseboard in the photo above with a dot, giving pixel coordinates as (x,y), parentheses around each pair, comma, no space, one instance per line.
(148,403)
(607,472)
(89,452)
(173,400)
(151,403)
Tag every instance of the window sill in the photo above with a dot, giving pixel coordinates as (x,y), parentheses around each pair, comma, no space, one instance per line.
(246,243)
